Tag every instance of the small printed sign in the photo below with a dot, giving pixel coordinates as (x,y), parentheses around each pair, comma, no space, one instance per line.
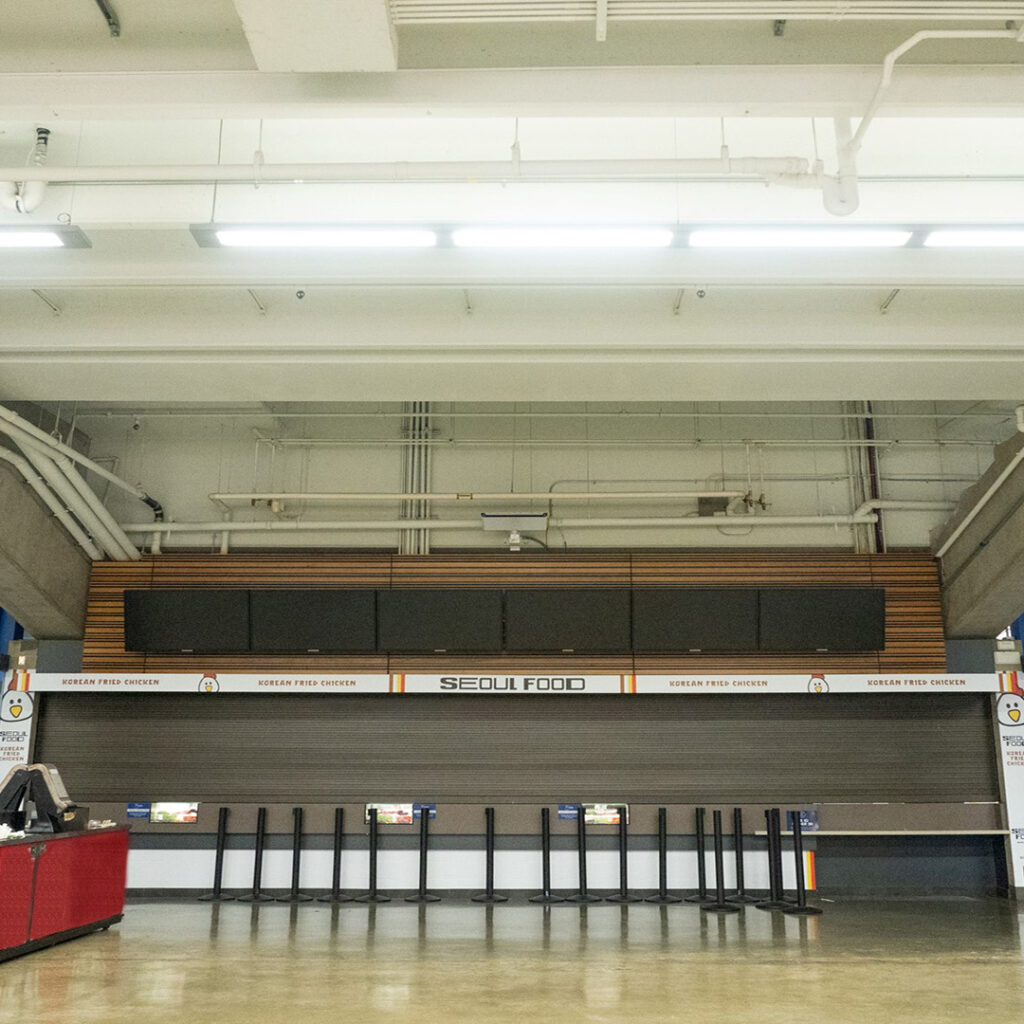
(137,811)
(808,819)
(390,814)
(593,814)
(431,811)
(185,812)
(603,814)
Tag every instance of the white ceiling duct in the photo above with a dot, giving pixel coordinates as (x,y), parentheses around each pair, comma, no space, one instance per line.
(442,12)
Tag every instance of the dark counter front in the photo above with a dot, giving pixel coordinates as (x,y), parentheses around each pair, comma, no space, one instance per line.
(58,887)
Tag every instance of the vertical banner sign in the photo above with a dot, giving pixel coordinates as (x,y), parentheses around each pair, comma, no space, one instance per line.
(1010,716)
(16,709)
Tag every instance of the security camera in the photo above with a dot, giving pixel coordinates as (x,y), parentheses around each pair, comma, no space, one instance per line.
(300,294)
(136,424)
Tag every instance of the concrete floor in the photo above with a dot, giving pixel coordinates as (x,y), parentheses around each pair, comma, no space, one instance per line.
(933,961)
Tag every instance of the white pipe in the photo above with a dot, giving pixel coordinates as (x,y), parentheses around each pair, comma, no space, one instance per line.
(988,495)
(23,427)
(341,497)
(427,171)
(119,545)
(60,513)
(840,194)
(889,63)
(326,526)
(896,505)
(62,486)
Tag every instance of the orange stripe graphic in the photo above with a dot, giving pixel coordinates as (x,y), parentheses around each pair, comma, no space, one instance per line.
(810,875)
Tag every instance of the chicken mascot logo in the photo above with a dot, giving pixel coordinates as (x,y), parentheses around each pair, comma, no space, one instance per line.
(1010,706)
(16,704)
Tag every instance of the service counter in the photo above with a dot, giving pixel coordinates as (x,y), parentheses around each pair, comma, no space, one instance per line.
(55,887)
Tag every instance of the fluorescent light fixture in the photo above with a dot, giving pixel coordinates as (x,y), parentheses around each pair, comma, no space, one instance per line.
(327,238)
(978,238)
(798,238)
(22,239)
(43,236)
(562,238)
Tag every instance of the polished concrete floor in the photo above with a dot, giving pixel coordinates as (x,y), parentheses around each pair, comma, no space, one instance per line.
(933,961)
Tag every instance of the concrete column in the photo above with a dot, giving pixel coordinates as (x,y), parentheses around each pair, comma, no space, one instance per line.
(983,571)
(44,575)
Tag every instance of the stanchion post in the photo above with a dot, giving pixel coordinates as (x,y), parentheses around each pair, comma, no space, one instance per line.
(701,895)
(741,895)
(372,896)
(217,896)
(336,895)
(257,895)
(623,895)
(720,905)
(421,895)
(583,895)
(775,900)
(489,895)
(545,895)
(663,895)
(800,908)
(294,896)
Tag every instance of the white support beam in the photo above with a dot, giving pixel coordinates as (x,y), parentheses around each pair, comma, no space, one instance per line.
(319,35)
(784,91)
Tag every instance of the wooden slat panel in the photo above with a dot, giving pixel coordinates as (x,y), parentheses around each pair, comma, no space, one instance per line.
(914,633)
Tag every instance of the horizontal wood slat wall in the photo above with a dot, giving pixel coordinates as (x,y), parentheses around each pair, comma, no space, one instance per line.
(914,633)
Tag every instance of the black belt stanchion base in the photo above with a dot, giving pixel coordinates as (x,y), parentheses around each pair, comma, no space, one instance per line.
(701,895)
(217,896)
(257,895)
(663,895)
(372,896)
(336,895)
(740,895)
(720,906)
(582,895)
(489,895)
(775,899)
(294,896)
(421,895)
(800,908)
(623,895)
(545,895)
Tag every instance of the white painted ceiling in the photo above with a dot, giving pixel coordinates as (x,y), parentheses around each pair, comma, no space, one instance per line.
(145,314)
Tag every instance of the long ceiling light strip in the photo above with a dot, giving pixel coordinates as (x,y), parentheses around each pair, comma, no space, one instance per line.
(975,238)
(13,236)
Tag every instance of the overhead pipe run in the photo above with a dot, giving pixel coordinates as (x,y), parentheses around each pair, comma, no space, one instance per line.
(60,513)
(41,437)
(988,495)
(223,498)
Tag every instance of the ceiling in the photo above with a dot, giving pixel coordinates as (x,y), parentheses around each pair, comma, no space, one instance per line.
(188,88)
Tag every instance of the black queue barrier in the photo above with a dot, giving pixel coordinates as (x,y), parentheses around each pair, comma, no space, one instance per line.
(775,899)
(257,895)
(217,896)
(545,895)
(489,895)
(720,904)
(293,895)
(421,895)
(336,895)
(801,908)
(663,895)
(740,895)
(583,895)
(372,895)
(623,895)
(701,895)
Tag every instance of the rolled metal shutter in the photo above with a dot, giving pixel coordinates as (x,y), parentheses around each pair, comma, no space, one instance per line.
(699,748)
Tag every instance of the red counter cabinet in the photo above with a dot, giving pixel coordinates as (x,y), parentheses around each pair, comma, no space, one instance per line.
(58,887)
